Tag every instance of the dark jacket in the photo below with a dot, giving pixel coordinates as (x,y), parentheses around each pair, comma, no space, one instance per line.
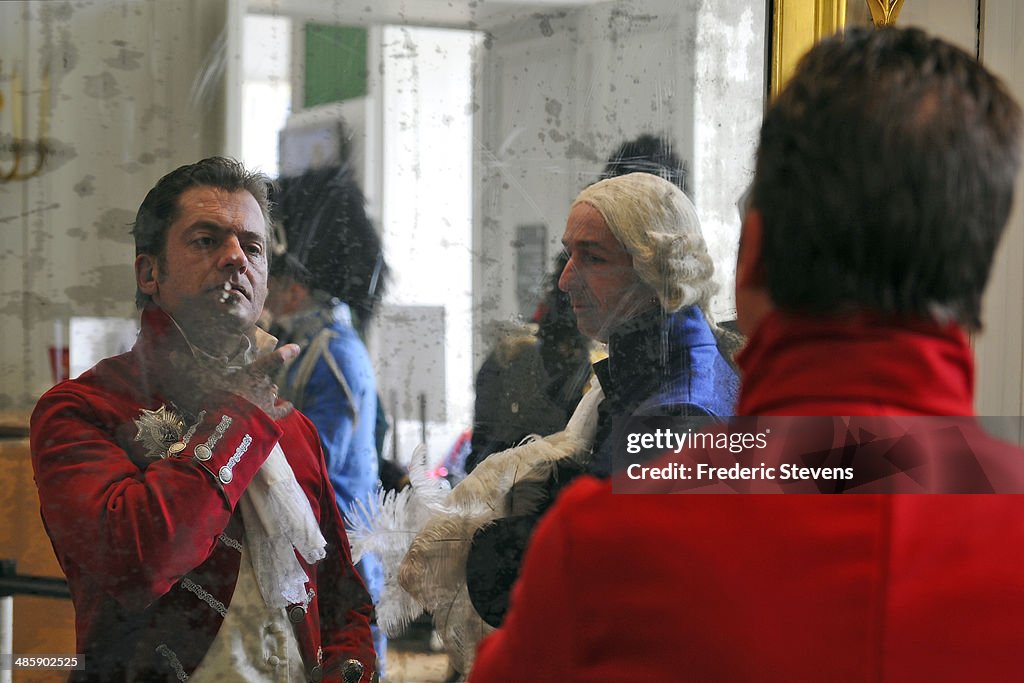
(658,365)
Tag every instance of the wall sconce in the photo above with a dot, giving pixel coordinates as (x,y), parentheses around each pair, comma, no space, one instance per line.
(884,12)
(21,148)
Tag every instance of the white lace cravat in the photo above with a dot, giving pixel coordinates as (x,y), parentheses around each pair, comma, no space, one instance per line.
(278,521)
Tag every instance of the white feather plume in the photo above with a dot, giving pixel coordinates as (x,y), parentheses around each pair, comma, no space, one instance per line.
(423,533)
(434,568)
(385,525)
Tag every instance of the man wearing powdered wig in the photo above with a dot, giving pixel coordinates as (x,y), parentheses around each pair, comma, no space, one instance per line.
(639,278)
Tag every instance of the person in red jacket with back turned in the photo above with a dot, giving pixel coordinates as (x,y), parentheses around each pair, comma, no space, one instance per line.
(190,508)
(884,179)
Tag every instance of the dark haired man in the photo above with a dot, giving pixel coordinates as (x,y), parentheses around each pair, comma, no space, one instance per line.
(190,508)
(884,179)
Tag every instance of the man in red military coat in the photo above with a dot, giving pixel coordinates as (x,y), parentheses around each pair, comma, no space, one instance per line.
(885,177)
(189,508)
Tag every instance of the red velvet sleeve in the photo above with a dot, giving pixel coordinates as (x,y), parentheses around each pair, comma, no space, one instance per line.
(135,524)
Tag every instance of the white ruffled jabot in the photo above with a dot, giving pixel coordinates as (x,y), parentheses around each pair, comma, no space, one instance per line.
(278,521)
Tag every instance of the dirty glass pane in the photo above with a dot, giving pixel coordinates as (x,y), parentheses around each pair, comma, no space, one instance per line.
(472,129)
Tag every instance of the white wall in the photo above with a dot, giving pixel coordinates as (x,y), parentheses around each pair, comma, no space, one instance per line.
(729,87)
(122,113)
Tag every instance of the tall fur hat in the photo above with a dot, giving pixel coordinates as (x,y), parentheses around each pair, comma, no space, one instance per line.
(330,243)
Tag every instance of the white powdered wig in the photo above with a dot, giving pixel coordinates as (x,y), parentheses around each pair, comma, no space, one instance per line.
(658,226)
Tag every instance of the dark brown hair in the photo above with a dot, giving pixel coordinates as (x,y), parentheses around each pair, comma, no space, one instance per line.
(885,175)
(161,207)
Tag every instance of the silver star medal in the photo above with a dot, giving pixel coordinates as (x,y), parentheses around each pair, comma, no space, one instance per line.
(160,431)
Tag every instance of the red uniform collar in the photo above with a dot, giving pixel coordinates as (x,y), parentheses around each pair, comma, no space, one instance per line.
(860,364)
(159,334)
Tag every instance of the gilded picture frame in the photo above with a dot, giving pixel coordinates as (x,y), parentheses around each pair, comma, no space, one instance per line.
(796,25)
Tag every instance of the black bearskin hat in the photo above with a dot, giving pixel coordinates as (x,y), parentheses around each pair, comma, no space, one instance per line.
(330,243)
